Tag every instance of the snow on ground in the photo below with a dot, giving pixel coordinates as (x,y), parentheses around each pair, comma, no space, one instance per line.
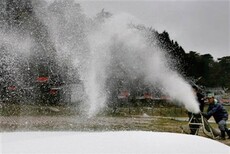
(108,142)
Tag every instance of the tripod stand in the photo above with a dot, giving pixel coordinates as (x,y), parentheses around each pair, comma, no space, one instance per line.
(198,122)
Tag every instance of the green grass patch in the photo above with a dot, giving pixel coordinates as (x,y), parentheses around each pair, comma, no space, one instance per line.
(36,110)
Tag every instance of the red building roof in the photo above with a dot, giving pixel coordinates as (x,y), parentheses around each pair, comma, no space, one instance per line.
(42,79)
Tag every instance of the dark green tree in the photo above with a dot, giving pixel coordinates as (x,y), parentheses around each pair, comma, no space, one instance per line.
(224,71)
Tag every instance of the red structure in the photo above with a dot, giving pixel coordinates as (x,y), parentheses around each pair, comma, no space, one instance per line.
(42,79)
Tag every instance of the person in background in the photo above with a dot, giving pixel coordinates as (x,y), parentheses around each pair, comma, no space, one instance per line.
(200,98)
(196,117)
(219,113)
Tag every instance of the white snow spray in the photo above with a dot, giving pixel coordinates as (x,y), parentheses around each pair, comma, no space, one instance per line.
(94,48)
(14,52)
(139,59)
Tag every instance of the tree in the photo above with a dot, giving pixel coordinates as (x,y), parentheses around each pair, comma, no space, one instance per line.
(205,66)
(224,72)
(103,15)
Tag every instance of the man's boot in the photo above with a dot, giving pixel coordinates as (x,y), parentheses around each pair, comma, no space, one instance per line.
(222,136)
(228,132)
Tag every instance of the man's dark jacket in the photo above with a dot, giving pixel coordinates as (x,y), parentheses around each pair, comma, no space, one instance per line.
(217,111)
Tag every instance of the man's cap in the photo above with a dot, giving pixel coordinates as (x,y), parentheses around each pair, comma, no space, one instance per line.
(210,95)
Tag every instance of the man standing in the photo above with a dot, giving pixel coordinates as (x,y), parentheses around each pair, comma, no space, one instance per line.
(196,118)
(219,113)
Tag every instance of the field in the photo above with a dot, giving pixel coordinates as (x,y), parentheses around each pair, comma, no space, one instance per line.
(16,117)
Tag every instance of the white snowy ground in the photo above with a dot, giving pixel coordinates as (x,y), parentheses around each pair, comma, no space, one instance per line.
(107,142)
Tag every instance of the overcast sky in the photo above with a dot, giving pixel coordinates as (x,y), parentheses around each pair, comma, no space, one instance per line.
(201,26)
